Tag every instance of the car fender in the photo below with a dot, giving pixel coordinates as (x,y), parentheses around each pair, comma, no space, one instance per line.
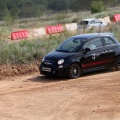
(76,59)
(118,51)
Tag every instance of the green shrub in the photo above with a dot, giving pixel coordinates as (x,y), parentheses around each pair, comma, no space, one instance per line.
(101,15)
(4,33)
(76,19)
(97,6)
(115,28)
(60,15)
(29,50)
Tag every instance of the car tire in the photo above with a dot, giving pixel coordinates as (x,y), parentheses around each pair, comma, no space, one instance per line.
(74,71)
(117,64)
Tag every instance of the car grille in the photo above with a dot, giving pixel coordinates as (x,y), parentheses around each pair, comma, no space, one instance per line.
(49,63)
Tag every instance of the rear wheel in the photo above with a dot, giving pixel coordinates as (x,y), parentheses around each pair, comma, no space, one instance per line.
(74,71)
(117,64)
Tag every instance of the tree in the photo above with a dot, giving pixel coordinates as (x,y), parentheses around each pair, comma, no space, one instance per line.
(80,5)
(3,9)
(97,6)
(58,5)
(34,8)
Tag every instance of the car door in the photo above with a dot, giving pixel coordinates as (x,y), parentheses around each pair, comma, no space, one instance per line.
(91,24)
(95,23)
(98,23)
(95,58)
(111,48)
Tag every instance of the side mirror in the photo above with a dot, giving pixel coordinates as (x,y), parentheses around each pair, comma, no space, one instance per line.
(86,50)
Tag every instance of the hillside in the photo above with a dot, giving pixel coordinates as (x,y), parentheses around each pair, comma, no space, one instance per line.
(36,8)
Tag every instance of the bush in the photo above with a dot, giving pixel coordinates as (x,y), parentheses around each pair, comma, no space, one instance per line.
(97,6)
(60,15)
(29,50)
(76,19)
(4,33)
(115,28)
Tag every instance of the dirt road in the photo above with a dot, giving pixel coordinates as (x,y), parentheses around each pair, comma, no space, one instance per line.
(94,96)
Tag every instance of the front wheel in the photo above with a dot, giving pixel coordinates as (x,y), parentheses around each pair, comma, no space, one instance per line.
(74,71)
(117,64)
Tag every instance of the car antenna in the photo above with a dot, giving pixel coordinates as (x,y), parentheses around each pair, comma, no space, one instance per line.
(100,28)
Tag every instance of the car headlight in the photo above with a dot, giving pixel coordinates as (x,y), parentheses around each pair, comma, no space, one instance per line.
(61,61)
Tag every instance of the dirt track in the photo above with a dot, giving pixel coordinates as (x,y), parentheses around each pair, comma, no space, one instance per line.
(94,96)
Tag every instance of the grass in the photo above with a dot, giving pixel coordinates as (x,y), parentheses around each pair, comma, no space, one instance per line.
(53,18)
(30,50)
(115,28)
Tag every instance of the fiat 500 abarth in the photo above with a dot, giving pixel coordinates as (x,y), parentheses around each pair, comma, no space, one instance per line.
(82,53)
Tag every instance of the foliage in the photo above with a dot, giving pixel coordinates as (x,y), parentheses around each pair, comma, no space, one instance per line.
(75,20)
(115,28)
(28,50)
(97,6)
(3,9)
(35,8)
(58,5)
(4,32)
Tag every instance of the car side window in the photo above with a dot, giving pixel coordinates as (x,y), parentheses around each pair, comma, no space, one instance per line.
(108,41)
(93,44)
(98,21)
(92,22)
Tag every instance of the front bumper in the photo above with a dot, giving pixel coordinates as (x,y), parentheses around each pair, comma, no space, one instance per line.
(61,70)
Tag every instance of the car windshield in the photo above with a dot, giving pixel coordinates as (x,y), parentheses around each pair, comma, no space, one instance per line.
(71,45)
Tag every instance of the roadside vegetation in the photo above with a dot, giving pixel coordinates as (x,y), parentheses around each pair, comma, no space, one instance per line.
(21,52)
(20,17)
(29,50)
(35,8)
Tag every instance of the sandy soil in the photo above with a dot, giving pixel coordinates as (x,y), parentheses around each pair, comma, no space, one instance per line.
(93,96)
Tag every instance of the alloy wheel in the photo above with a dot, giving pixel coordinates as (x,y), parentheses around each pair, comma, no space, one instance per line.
(74,71)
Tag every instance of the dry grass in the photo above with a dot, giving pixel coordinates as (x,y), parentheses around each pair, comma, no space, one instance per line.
(30,50)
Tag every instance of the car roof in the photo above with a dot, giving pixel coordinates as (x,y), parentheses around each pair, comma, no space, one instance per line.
(91,35)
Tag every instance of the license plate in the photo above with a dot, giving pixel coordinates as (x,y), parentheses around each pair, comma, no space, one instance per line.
(46,69)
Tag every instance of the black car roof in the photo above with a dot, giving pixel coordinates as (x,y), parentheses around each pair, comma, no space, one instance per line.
(91,35)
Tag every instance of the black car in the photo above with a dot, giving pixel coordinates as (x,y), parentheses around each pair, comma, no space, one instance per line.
(82,53)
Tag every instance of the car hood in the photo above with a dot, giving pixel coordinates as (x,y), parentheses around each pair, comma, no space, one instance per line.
(55,55)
